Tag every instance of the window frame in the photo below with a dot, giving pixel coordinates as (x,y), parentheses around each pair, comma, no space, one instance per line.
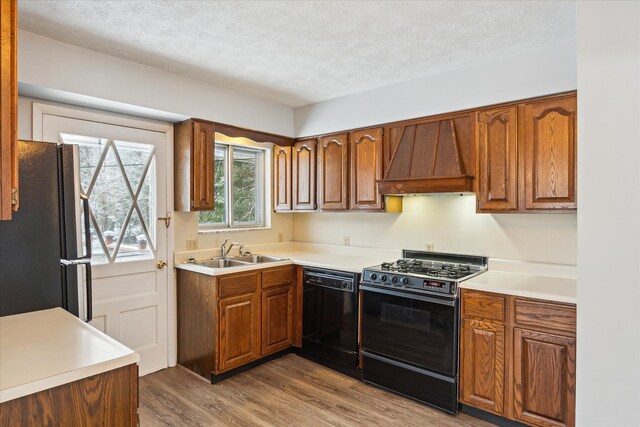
(263,193)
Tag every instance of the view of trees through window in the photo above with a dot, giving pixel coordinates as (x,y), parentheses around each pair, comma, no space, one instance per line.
(117,177)
(245,206)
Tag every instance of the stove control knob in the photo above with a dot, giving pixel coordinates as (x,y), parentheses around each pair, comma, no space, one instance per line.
(405,280)
(394,279)
(373,276)
(383,278)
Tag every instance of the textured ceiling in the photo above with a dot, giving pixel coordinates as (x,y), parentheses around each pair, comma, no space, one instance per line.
(297,53)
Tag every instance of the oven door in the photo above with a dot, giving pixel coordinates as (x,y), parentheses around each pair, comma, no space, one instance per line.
(416,329)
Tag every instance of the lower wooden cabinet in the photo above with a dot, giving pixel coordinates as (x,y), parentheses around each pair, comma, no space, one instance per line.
(227,321)
(544,378)
(518,358)
(277,319)
(106,399)
(482,359)
(239,331)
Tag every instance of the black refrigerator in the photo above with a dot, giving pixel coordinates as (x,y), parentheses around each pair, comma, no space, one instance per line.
(43,260)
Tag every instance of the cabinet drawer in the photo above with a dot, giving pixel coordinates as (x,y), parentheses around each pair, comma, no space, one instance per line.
(237,284)
(483,305)
(277,276)
(546,315)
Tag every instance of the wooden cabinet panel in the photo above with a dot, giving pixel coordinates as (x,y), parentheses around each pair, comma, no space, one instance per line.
(366,169)
(281,178)
(549,138)
(239,331)
(483,305)
(483,365)
(202,173)
(8,108)
(238,284)
(544,378)
(277,319)
(304,175)
(193,165)
(106,399)
(544,315)
(278,276)
(332,172)
(497,160)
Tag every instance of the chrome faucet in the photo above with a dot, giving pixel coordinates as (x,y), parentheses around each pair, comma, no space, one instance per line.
(224,249)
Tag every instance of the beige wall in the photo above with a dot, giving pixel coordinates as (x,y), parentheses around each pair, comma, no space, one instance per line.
(451,223)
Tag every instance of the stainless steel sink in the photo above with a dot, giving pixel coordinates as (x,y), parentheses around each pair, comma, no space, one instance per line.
(256,259)
(222,263)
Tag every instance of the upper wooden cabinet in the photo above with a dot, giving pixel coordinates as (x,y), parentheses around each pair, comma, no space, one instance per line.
(366,169)
(194,167)
(333,179)
(8,108)
(498,159)
(549,151)
(431,155)
(527,156)
(281,178)
(303,159)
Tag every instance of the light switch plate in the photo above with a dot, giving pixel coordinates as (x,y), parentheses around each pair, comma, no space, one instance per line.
(192,245)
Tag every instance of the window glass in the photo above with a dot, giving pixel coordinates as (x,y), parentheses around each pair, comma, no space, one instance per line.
(245,182)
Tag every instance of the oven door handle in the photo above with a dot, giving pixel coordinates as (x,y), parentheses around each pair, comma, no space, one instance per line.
(450,303)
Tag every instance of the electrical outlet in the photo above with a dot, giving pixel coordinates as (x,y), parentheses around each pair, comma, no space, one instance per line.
(192,245)
(347,240)
(280,237)
(428,246)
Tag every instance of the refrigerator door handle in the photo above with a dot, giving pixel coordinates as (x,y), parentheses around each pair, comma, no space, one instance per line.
(87,230)
(88,285)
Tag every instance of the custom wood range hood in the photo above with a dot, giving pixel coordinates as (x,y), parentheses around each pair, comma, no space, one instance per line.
(433,155)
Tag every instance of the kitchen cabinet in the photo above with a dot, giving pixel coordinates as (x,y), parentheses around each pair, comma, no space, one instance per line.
(366,169)
(333,179)
(498,160)
(225,322)
(281,179)
(239,331)
(8,108)
(303,159)
(518,358)
(193,165)
(527,156)
(109,398)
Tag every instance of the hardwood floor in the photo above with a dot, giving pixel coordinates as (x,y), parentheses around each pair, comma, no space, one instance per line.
(289,391)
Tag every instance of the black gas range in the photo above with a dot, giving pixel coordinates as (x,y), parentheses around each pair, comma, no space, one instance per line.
(428,272)
(410,324)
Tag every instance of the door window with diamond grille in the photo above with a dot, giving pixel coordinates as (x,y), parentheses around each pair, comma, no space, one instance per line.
(117,177)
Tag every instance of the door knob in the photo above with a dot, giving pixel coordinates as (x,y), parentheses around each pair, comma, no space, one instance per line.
(161,265)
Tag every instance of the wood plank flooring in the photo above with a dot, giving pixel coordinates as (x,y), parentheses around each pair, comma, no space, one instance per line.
(289,391)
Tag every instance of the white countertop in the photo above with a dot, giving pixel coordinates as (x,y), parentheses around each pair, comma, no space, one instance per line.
(345,258)
(48,348)
(525,285)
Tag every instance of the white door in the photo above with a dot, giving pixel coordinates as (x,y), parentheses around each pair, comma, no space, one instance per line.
(123,171)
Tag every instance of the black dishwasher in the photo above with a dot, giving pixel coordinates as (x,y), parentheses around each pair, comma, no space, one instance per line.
(330,319)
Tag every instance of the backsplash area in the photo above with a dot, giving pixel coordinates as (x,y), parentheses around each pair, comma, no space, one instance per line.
(451,223)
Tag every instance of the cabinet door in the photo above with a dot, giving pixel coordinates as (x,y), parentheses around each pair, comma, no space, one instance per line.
(332,173)
(304,175)
(549,139)
(202,171)
(497,160)
(277,319)
(544,378)
(366,169)
(239,331)
(482,368)
(9,109)
(281,178)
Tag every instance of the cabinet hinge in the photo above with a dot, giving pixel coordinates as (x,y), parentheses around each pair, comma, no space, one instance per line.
(477,204)
(14,196)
